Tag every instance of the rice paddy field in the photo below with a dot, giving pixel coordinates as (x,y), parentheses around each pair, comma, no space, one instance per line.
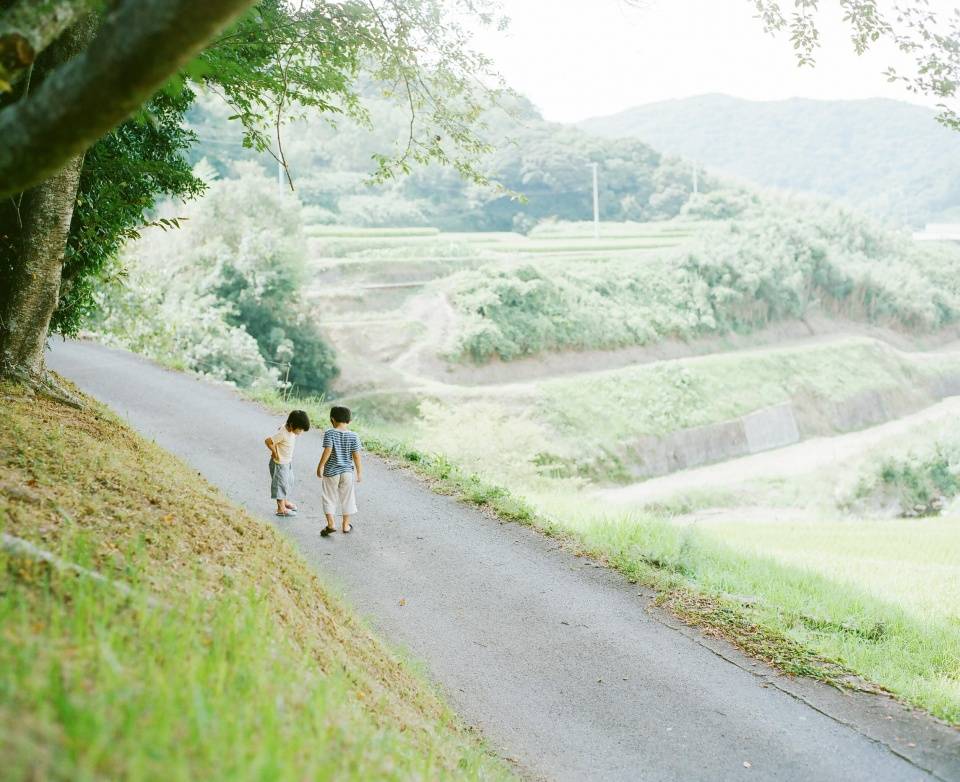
(462,347)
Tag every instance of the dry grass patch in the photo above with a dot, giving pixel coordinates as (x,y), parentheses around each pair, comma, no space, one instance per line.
(228,659)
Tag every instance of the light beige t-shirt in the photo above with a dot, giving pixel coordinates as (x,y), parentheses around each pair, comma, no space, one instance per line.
(284,442)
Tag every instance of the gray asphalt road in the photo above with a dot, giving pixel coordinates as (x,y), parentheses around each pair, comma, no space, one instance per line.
(563,666)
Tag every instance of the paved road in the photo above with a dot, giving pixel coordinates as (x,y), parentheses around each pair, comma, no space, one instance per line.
(563,666)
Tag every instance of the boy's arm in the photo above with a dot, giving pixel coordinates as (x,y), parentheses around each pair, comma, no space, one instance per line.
(323,460)
(273,449)
(356,463)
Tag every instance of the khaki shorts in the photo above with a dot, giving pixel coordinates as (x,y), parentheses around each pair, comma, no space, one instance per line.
(340,494)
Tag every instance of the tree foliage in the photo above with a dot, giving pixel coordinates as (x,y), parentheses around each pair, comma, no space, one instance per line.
(224,294)
(930,37)
(276,63)
(545,163)
(280,61)
(122,177)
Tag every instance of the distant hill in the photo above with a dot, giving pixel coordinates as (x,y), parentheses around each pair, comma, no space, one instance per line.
(548,163)
(886,157)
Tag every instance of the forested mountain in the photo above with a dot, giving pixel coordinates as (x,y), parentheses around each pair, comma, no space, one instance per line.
(887,157)
(546,163)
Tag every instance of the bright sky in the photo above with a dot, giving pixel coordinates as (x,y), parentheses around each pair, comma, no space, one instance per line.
(581,58)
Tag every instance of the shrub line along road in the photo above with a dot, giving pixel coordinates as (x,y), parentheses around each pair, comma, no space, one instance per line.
(565,668)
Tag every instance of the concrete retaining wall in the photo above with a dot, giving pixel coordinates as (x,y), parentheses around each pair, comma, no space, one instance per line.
(770,427)
(778,426)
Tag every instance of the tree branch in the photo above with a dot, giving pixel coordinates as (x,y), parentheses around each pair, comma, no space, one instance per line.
(138,47)
(27,28)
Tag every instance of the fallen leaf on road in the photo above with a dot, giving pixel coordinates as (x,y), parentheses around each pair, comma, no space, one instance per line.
(403,601)
(747,764)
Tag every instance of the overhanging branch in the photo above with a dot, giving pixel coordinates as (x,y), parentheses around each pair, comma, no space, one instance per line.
(27,28)
(138,47)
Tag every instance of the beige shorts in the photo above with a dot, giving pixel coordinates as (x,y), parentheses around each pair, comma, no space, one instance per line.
(340,494)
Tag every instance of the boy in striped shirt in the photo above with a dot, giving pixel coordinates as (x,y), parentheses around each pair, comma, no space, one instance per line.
(339,469)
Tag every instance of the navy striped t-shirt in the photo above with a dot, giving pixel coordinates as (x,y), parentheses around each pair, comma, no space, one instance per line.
(342,443)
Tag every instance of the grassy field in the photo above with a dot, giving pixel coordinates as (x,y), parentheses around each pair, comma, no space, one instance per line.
(211,652)
(571,432)
(663,397)
(827,599)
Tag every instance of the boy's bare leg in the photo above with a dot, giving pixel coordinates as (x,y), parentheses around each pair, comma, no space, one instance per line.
(346,523)
(331,523)
(281,508)
(289,505)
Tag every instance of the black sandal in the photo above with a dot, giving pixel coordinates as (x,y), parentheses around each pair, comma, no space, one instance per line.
(348,530)
(327,531)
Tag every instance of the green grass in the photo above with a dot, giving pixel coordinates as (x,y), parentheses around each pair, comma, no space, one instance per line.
(561,229)
(339,231)
(880,596)
(570,432)
(229,660)
(877,599)
(663,397)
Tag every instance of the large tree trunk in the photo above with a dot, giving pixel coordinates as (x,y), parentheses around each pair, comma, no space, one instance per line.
(33,237)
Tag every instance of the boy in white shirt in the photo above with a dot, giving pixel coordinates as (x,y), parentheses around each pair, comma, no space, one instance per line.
(281,460)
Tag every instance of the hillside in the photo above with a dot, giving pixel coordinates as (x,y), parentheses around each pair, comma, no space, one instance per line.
(889,158)
(547,163)
(175,636)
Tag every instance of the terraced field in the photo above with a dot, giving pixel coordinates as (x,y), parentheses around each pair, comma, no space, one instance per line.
(384,295)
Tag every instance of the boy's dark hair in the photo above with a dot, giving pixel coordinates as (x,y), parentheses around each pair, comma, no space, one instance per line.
(298,419)
(340,415)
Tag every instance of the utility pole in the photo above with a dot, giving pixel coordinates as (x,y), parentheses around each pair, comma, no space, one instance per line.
(596,204)
(696,183)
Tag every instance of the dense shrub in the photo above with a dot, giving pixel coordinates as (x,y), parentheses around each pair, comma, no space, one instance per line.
(224,287)
(916,483)
(722,204)
(154,313)
(739,276)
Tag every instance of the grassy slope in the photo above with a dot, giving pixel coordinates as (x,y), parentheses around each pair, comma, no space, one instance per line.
(662,397)
(844,601)
(230,660)
(545,424)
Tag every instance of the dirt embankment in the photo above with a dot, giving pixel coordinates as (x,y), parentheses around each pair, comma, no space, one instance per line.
(810,330)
